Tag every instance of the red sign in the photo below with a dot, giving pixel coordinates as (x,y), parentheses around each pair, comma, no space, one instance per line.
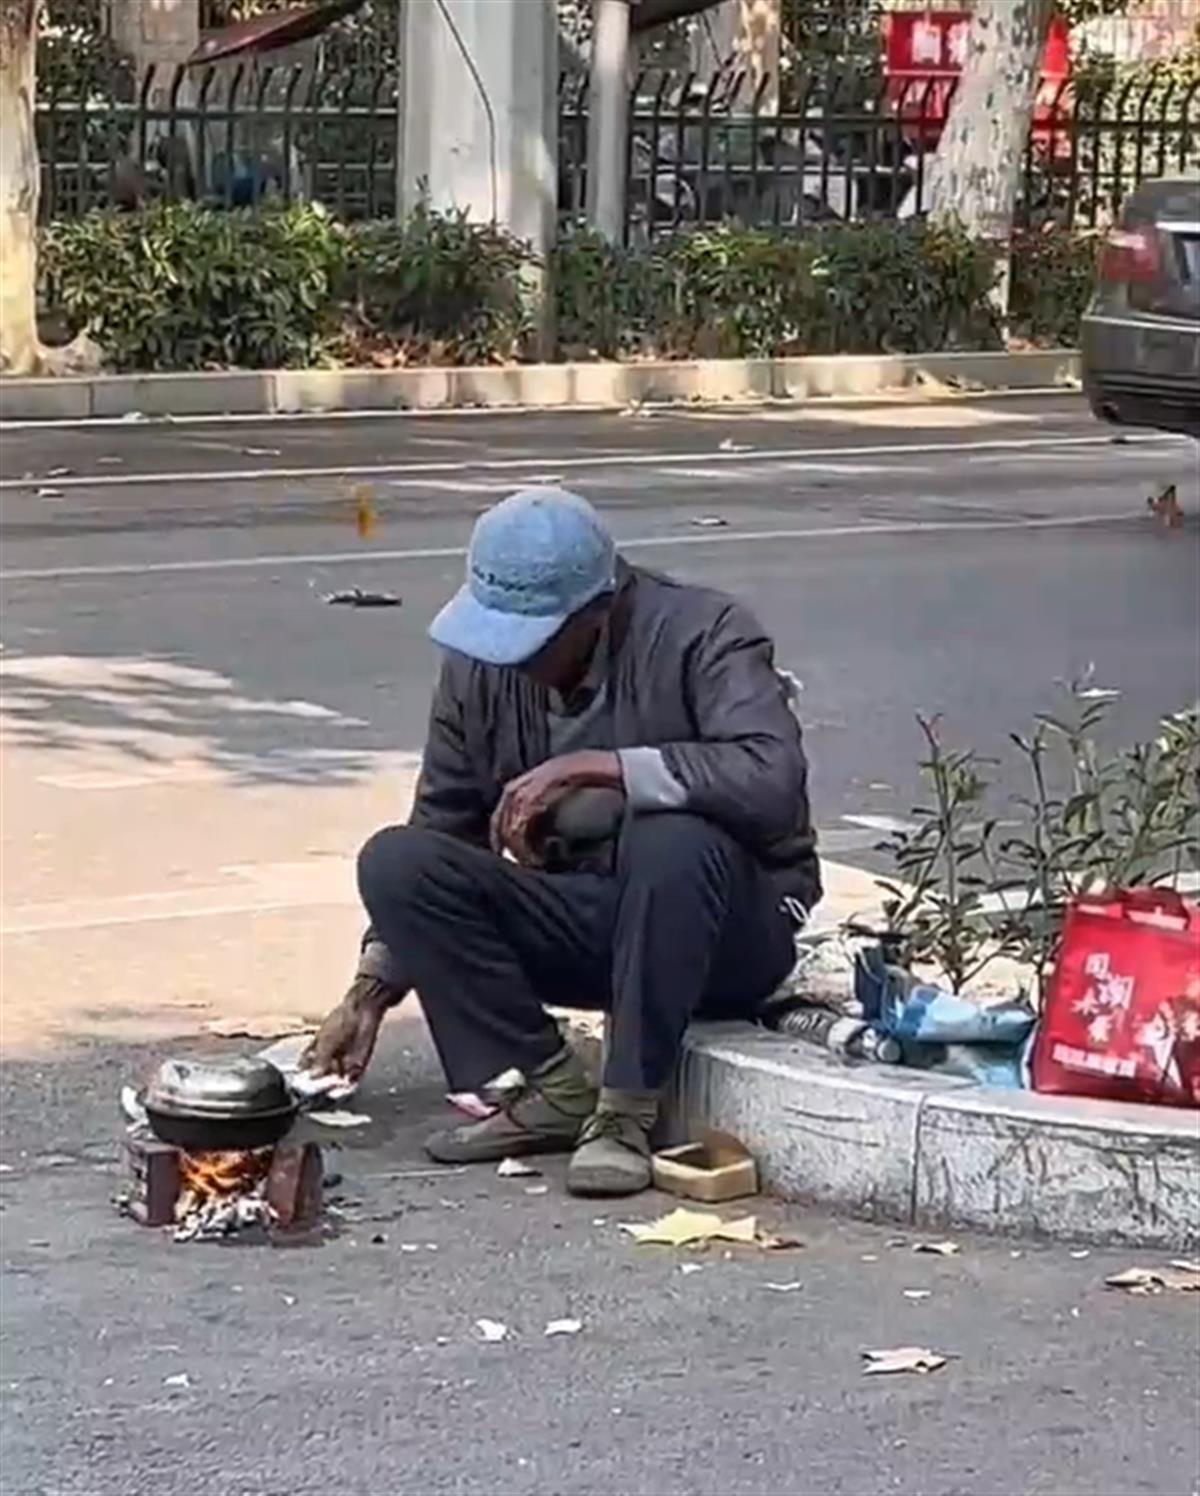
(925,51)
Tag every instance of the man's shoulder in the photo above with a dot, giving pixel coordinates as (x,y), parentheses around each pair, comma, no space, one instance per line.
(687,606)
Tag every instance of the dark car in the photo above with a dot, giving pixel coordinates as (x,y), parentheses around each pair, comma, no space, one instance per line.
(1141,332)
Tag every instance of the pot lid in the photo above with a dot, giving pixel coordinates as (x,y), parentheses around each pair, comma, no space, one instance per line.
(217,1086)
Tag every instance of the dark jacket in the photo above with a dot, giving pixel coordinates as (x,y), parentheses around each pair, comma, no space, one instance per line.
(692,674)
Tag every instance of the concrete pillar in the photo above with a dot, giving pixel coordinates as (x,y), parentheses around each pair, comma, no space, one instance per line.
(608,119)
(478,111)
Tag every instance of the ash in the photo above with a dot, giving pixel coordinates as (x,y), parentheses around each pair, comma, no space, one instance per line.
(222,1216)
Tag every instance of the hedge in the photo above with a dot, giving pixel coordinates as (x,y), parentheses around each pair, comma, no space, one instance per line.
(180,286)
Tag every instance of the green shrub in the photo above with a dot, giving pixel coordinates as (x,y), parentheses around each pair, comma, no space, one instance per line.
(731,291)
(179,286)
(1052,275)
(434,289)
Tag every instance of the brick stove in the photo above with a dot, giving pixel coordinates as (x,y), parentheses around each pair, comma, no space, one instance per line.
(288,1178)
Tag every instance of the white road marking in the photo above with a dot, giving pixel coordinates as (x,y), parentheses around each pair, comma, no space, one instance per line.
(889,824)
(621,460)
(642,542)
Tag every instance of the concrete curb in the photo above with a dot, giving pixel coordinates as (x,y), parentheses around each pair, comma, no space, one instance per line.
(533,386)
(931,1151)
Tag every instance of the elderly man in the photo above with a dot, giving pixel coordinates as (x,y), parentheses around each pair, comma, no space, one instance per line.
(612,813)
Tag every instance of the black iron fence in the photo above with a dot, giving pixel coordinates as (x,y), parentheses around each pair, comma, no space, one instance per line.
(834,149)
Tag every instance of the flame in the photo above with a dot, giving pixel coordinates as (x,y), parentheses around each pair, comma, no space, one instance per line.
(217,1173)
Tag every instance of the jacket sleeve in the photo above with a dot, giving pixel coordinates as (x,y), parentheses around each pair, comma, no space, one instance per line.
(746,768)
(448,796)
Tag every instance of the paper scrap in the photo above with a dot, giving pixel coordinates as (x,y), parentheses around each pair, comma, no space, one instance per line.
(708,522)
(180,1379)
(679,1228)
(902,1358)
(790,1287)
(938,1248)
(492,1330)
(536,1189)
(1081,1254)
(516,1168)
(687,1268)
(260,1026)
(341,1119)
(564,1327)
(1182,1277)
(917,1294)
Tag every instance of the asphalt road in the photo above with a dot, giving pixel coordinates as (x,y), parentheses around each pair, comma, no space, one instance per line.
(907,556)
(958,559)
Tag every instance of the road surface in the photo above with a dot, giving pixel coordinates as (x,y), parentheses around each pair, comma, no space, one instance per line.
(196,742)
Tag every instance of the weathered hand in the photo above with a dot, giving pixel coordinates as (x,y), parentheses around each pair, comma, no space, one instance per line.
(533,793)
(346,1039)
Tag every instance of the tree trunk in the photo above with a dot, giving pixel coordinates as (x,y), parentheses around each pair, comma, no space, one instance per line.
(19,349)
(976,172)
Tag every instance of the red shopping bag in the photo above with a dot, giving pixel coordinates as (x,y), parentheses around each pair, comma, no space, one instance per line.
(1121,1019)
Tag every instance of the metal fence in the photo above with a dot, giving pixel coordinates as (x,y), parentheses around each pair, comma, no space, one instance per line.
(841,151)
(836,150)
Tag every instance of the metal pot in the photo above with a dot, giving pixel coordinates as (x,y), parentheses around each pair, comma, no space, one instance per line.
(215,1102)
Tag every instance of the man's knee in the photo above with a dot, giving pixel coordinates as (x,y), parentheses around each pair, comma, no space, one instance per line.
(672,844)
(394,861)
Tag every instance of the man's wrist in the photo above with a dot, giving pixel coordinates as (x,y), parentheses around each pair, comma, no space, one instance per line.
(597,768)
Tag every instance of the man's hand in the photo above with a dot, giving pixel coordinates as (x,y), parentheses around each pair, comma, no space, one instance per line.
(537,791)
(345,1041)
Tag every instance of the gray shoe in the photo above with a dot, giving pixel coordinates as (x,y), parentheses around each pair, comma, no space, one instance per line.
(613,1156)
(546,1116)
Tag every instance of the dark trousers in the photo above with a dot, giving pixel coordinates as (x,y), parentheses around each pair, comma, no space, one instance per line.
(687,924)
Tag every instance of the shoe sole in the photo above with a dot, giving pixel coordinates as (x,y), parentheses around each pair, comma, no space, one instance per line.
(447,1151)
(604,1182)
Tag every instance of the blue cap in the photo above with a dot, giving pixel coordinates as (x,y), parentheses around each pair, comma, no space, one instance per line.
(534,560)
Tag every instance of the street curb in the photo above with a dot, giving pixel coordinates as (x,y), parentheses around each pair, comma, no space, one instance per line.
(930,1151)
(529,386)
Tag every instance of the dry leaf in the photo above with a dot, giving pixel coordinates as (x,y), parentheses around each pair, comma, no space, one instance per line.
(492,1330)
(938,1248)
(564,1327)
(681,1227)
(916,1294)
(260,1026)
(1182,1276)
(340,1119)
(365,517)
(903,1358)
(516,1168)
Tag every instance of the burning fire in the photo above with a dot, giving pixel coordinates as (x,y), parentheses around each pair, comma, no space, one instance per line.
(218,1174)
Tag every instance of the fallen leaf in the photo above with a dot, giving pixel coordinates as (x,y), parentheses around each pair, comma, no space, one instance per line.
(903,1358)
(340,1119)
(564,1327)
(794,1286)
(680,1227)
(938,1248)
(365,517)
(516,1168)
(492,1330)
(1182,1276)
(260,1026)
(180,1379)
(772,1243)
(355,597)
(916,1294)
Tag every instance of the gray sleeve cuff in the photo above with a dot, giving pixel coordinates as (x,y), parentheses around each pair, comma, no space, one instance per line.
(375,960)
(649,784)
